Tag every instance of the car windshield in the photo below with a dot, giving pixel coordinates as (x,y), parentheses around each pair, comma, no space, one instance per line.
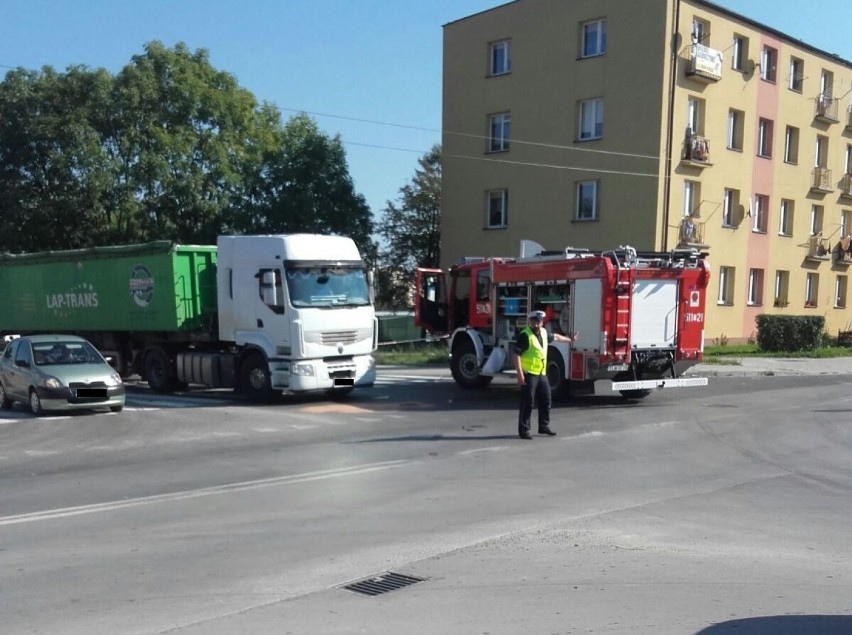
(71,352)
(327,287)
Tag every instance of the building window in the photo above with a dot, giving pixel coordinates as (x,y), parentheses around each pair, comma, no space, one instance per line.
(500,126)
(782,288)
(591,119)
(726,286)
(497,211)
(700,31)
(740,53)
(811,289)
(588,203)
(760,213)
(840,292)
(695,116)
(791,145)
(593,38)
(768,62)
(691,198)
(730,207)
(844,222)
(501,57)
(826,83)
(735,129)
(816,219)
(785,220)
(755,287)
(764,138)
(821,152)
(797,74)
(848,162)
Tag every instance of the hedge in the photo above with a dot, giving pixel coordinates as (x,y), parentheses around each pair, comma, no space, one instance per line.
(786,333)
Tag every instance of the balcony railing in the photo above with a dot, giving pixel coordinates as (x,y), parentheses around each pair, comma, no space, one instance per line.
(818,248)
(826,108)
(696,149)
(846,186)
(821,180)
(841,254)
(704,64)
(690,233)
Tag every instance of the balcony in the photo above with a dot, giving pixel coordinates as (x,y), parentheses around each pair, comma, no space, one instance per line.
(818,249)
(826,108)
(691,234)
(821,180)
(841,254)
(696,150)
(704,64)
(846,186)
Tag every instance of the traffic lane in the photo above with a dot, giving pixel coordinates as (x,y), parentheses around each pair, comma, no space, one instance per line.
(199,557)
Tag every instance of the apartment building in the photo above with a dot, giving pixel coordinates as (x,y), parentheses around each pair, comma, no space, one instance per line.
(659,124)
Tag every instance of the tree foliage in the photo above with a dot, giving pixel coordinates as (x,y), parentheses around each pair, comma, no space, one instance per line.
(411,232)
(167,148)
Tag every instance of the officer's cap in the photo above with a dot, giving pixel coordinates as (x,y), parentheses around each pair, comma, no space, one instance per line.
(536,315)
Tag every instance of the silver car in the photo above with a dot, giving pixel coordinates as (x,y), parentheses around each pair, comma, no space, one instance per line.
(58,372)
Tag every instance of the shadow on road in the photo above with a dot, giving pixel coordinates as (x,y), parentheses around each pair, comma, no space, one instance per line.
(783,625)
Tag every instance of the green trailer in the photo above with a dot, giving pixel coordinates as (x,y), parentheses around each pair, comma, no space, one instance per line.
(151,287)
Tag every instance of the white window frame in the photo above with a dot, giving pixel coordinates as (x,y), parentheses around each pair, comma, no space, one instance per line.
(841,283)
(755,287)
(768,63)
(791,145)
(845,222)
(739,55)
(500,58)
(501,198)
(785,217)
(730,203)
(691,198)
(726,286)
(765,130)
(847,167)
(735,129)
(694,118)
(499,131)
(593,38)
(782,288)
(797,74)
(817,219)
(811,289)
(591,119)
(821,152)
(700,31)
(587,190)
(760,213)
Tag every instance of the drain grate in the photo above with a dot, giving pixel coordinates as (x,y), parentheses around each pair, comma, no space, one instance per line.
(382,583)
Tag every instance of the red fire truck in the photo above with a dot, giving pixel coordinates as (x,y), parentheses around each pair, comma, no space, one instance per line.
(639,315)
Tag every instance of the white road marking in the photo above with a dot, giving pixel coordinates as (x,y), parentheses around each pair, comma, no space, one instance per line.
(496,448)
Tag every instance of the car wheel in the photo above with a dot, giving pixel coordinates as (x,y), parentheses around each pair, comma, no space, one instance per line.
(35,403)
(5,402)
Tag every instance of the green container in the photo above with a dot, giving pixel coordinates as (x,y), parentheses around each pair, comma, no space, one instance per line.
(157,286)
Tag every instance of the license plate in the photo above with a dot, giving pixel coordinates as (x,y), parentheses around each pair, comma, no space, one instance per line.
(617,368)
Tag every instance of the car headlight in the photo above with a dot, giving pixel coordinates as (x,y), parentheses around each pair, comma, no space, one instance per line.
(302,370)
(51,382)
(113,380)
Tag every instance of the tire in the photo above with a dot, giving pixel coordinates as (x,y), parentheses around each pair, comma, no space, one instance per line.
(556,374)
(255,382)
(5,402)
(465,367)
(35,403)
(116,408)
(158,370)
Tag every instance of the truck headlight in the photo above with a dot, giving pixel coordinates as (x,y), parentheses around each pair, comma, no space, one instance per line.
(302,370)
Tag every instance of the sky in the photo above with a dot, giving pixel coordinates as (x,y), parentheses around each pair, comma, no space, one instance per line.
(367,70)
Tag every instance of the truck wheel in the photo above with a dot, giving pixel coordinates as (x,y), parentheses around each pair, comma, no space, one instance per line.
(158,370)
(35,403)
(5,402)
(465,367)
(255,381)
(556,374)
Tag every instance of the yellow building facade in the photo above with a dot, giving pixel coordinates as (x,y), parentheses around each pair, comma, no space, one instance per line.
(659,124)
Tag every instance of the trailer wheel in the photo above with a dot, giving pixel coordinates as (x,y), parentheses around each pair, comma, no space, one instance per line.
(556,374)
(255,381)
(465,367)
(158,371)
(5,402)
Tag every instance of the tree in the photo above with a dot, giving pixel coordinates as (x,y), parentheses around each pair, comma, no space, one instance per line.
(411,232)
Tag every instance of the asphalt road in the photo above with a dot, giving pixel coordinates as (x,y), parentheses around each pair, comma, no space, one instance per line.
(711,510)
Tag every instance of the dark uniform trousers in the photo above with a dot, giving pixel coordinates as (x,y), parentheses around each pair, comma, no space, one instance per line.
(536,391)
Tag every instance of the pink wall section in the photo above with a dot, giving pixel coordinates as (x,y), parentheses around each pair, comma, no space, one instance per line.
(763,180)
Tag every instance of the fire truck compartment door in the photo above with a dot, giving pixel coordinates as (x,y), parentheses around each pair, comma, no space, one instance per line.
(587,314)
(654,316)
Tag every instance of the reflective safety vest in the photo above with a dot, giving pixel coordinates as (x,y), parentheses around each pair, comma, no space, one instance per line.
(534,359)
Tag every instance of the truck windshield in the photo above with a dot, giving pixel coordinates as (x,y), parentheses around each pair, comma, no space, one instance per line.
(327,287)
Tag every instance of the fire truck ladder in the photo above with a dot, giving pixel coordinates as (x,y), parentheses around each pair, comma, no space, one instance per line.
(625,275)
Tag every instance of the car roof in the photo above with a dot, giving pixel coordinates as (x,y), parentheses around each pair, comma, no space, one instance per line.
(48,338)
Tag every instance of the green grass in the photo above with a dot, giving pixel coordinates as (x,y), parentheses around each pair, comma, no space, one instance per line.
(413,354)
(715,354)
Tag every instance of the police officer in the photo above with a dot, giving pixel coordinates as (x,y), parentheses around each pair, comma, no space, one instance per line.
(531,364)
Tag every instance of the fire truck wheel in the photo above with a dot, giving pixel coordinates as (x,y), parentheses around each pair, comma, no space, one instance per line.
(556,374)
(465,367)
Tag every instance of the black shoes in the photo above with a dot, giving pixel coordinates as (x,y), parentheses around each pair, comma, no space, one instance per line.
(525,437)
(547,431)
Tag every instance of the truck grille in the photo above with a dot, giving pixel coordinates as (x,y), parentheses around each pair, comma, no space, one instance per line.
(330,338)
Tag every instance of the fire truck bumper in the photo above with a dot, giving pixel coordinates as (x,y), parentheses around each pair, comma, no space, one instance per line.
(663,382)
